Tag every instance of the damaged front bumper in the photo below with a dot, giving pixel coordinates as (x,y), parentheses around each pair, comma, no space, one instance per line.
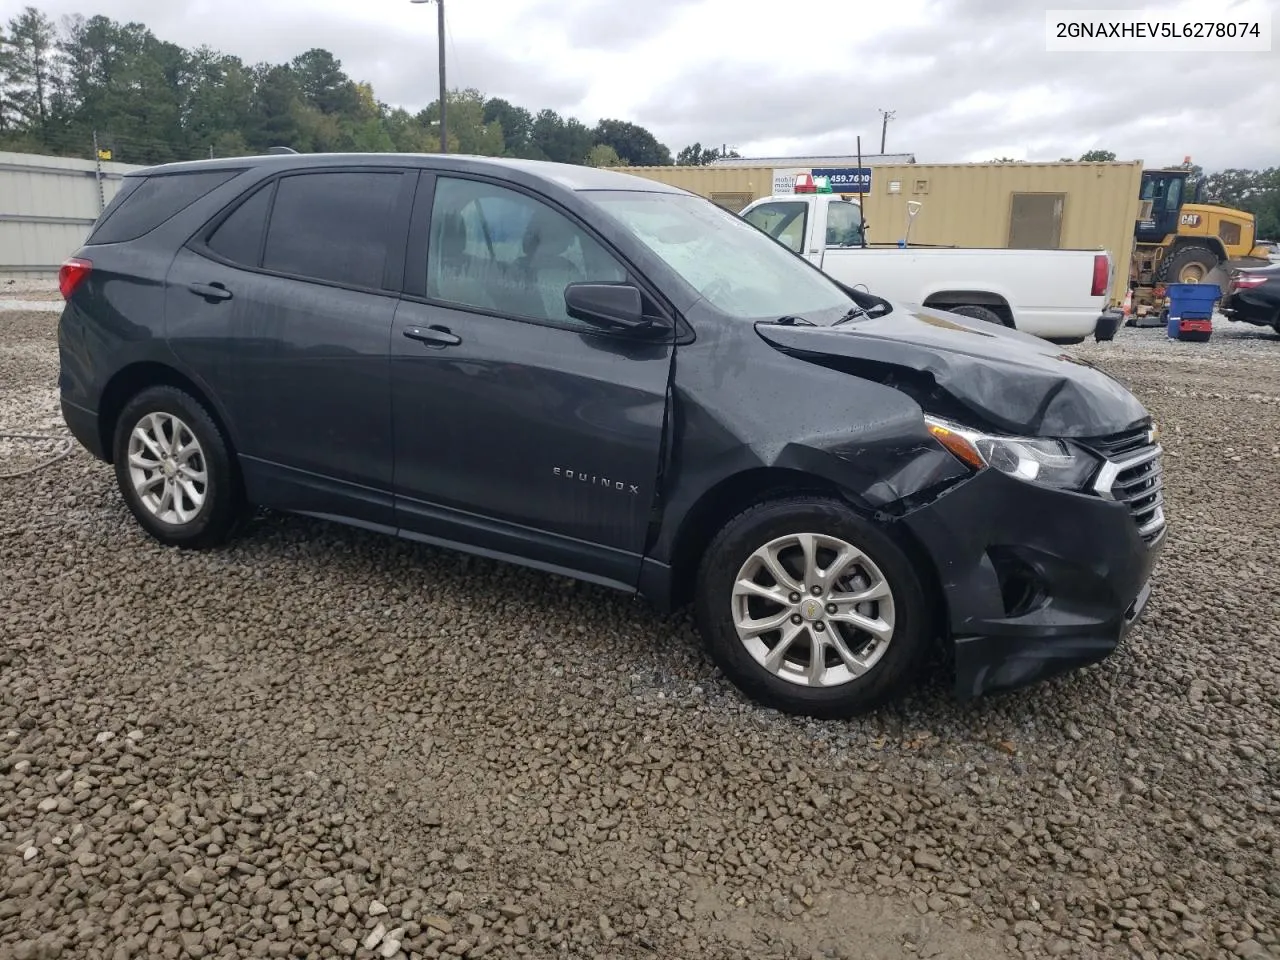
(1036,581)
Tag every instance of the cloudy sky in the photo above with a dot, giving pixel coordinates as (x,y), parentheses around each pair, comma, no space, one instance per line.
(968,79)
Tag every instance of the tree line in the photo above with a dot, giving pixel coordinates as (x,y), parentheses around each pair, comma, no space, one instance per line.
(65,85)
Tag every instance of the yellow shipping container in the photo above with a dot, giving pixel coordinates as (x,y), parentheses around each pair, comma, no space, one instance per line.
(1090,206)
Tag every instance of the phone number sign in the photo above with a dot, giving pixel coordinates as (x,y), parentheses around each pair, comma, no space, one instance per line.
(846,179)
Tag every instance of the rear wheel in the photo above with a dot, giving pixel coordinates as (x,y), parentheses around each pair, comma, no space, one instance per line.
(985,314)
(175,470)
(1188,264)
(810,609)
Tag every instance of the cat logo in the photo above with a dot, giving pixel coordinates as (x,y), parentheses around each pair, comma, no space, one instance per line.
(1189,220)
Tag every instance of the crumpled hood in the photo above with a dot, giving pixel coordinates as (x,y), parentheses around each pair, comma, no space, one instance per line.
(1013,381)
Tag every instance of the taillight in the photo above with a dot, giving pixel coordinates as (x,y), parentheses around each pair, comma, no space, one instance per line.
(1101,275)
(1246,282)
(72,274)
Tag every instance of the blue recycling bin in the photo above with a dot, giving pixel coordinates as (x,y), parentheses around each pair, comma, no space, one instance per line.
(1194,301)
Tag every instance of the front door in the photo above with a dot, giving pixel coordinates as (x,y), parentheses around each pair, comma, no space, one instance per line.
(787,221)
(518,430)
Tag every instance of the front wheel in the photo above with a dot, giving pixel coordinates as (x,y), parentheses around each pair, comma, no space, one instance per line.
(175,470)
(810,609)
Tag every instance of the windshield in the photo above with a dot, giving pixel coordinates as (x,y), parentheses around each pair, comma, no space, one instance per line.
(738,269)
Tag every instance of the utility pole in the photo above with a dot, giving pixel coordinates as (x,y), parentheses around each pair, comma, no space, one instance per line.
(887,115)
(97,171)
(444,138)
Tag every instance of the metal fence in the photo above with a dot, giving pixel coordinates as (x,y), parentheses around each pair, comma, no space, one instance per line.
(47,205)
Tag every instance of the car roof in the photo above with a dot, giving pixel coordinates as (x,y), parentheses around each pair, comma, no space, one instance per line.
(569,176)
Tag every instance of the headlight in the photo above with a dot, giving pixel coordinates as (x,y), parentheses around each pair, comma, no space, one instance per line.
(1051,463)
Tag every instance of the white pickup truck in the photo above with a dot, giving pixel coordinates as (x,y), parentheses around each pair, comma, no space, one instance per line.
(1059,295)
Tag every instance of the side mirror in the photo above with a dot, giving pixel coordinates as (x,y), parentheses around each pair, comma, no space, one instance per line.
(614,306)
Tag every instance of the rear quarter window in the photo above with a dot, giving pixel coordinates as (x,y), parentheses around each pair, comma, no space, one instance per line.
(153,201)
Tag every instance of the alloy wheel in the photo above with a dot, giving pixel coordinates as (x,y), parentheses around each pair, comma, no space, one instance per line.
(167,468)
(813,609)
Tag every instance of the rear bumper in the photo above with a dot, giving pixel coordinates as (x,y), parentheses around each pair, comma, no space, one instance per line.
(1247,310)
(1107,324)
(1036,581)
(83,425)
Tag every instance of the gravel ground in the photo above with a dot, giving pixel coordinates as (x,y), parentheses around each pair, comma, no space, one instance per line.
(319,742)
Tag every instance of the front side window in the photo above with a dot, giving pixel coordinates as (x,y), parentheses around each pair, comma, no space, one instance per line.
(783,220)
(844,224)
(736,267)
(332,226)
(499,250)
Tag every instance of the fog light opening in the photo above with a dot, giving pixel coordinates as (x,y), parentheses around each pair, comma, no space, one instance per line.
(1022,589)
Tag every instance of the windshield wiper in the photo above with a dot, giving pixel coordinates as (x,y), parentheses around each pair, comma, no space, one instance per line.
(790,321)
(854,313)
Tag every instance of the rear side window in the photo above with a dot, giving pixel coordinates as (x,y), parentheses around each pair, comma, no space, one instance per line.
(239,237)
(332,226)
(153,202)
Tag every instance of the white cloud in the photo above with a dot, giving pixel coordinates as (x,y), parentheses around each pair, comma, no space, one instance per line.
(969,79)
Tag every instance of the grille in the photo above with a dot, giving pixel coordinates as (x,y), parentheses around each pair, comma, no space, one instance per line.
(1118,445)
(1134,475)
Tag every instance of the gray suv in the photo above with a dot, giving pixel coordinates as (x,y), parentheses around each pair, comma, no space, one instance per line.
(605,377)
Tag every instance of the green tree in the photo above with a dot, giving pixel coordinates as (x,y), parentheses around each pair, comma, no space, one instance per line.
(560,140)
(632,143)
(695,155)
(323,84)
(31,70)
(603,155)
(1098,156)
(517,128)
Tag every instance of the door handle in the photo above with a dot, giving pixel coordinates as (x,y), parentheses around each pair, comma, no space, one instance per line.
(212,292)
(435,336)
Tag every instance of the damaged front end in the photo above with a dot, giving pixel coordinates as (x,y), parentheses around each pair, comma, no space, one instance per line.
(1044,548)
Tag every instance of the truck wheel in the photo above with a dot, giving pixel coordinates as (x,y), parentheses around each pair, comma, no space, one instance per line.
(1189,264)
(985,314)
(175,469)
(810,609)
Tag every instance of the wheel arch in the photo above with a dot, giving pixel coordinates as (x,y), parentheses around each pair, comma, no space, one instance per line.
(131,380)
(1212,243)
(944,299)
(733,494)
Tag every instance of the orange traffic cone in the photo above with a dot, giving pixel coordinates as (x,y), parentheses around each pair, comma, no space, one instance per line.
(1127,311)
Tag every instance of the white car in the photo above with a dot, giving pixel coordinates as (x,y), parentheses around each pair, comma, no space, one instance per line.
(1058,295)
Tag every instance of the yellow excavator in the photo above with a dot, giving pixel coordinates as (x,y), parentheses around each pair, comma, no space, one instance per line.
(1181,239)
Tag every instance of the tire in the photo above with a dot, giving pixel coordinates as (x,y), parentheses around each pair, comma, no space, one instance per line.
(185,523)
(985,314)
(1184,257)
(890,663)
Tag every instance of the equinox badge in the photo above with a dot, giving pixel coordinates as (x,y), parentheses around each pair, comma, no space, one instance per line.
(595,481)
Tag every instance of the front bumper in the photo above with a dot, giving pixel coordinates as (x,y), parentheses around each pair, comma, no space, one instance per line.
(1036,582)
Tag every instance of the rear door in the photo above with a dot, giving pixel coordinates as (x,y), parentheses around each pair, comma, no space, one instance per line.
(519,430)
(284,306)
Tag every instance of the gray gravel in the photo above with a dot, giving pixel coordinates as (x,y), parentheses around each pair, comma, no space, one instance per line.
(319,742)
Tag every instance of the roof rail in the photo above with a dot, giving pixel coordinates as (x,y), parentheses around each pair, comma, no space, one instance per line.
(279,150)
